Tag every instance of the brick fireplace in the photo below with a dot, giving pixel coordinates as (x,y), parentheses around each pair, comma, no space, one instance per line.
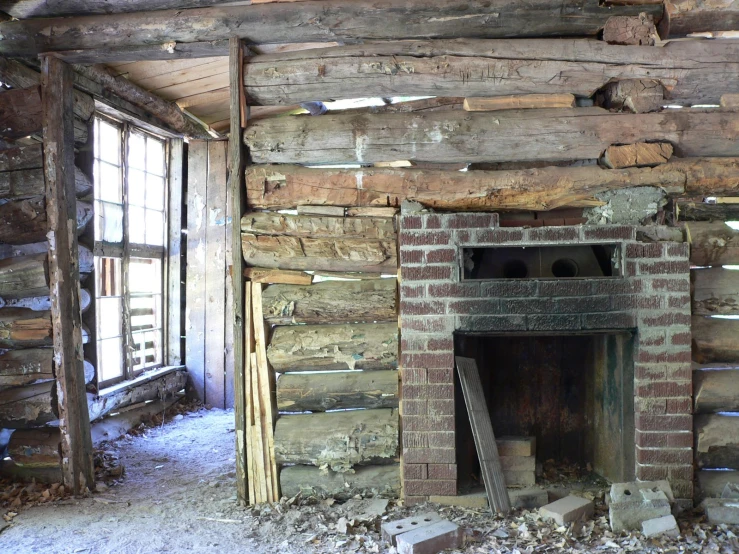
(647,299)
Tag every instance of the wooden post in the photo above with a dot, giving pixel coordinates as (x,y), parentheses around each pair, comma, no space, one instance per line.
(74,419)
(174,253)
(236,186)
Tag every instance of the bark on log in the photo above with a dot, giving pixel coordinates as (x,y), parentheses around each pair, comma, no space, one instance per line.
(25,183)
(331,302)
(634,30)
(338,440)
(643,154)
(716,390)
(35,448)
(712,483)
(287,186)
(20,112)
(715,340)
(324,21)
(685,17)
(22,328)
(330,347)
(23,367)
(24,221)
(28,407)
(563,134)
(717,441)
(335,391)
(312,481)
(699,211)
(24,276)
(263,223)
(694,72)
(715,291)
(712,244)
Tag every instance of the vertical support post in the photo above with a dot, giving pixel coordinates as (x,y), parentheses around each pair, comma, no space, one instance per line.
(237,189)
(64,274)
(174,254)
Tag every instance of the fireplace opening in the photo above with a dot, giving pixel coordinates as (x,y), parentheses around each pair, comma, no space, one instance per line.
(574,393)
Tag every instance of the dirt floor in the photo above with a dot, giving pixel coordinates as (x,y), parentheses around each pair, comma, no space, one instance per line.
(178,495)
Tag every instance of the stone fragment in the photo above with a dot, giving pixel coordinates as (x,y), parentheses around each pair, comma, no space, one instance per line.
(628,515)
(731,490)
(523,478)
(391,529)
(621,492)
(528,499)
(570,508)
(516,446)
(665,525)
(430,539)
(365,509)
(721,510)
(518,463)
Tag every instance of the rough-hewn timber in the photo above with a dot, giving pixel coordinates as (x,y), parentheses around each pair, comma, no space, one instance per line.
(331,302)
(310,480)
(683,17)
(35,448)
(20,112)
(28,407)
(22,328)
(24,221)
(324,21)
(23,367)
(634,95)
(642,154)
(716,390)
(715,340)
(338,440)
(700,211)
(287,186)
(459,136)
(717,441)
(715,291)
(25,183)
(635,30)
(712,243)
(334,391)
(24,276)
(305,226)
(27,9)
(329,347)
(693,72)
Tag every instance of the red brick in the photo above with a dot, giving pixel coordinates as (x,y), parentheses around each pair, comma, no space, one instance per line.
(499,236)
(427,273)
(415,439)
(411,222)
(440,344)
(413,344)
(454,290)
(411,256)
(608,232)
(681,250)
(651,338)
(431,488)
(681,301)
(624,302)
(414,392)
(682,489)
(441,407)
(663,389)
(651,473)
(680,440)
(428,423)
(426,238)
(663,268)
(412,408)
(487,306)
(415,471)
(428,456)
(554,234)
(664,440)
(683,473)
(671,285)
(648,355)
(642,250)
(654,302)
(649,372)
(647,422)
(469,221)
(663,456)
(665,319)
(441,376)
(630,268)
(681,338)
(423,307)
(413,376)
(430,361)
(618,286)
(441,439)
(442,471)
(441,392)
(427,324)
(679,405)
(432,221)
(441,256)
(650,405)
(412,291)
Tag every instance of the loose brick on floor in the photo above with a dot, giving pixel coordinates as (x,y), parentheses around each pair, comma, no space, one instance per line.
(567,509)
(665,525)
(392,529)
(430,539)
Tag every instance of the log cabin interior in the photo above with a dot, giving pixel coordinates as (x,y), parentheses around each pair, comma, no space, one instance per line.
(306,212)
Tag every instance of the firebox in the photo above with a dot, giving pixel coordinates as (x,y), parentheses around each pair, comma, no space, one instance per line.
(582,338)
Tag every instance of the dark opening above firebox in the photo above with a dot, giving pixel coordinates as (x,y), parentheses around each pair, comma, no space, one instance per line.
(542,262)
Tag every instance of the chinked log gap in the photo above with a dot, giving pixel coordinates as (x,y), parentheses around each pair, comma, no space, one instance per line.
(524,135)
(544,188)
(690,72)
(322,21)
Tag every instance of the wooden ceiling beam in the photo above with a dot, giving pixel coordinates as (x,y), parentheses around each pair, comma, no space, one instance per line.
(27,9)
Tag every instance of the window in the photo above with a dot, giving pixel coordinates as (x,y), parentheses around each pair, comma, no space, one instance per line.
(130,249)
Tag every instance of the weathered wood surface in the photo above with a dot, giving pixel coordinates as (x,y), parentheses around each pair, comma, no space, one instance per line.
(25,222)
(27,407)
(711,244)
(20,112)
(330,347)
(368,480)
(683,17)
(23,367)
(693,72)
(700,211)
(715,291)
(712,483)
(35,447)
(22,174)
(22,157)
(265,223)
(643,154)
(314,22)
(22,328)
(334,391)
(27,9)
(17,473)
(118,425)
(716,390)
(634,95)
(519,102)
(716,441)
(715,340)
(24,276)
(277,276)
(338,440)
(634,30)
(331,302)
(563,134)
(287,186)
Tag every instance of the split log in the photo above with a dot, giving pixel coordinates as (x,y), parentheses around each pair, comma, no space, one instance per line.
(715,291)
(643,154)
(321,211)
(716,390)
(519,102)
(264,223)
(24,183)
(335,391)
(711,244)
(24,276)
(29,406)
(278,276)
(24,221)
(716,441)
(312,481)
(700,211)
(23,367)
(715,340)
(338,440)
(634,95)
(35,447)
(693,72)
(314,22)
(685,17)
(286,186)
(712,483)
(634,30)
(22,328)
(563,134)
(20,112)
(331,302)
(331,347)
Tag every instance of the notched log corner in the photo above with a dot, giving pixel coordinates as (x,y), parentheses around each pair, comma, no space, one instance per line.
(641,154)
(631,30)
(633,95)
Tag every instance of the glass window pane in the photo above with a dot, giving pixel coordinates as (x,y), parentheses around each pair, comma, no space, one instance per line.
(136,225)
(155,192)
(108,183)
(108,277)
(154,156)
(109,314)
(108,222)
(144,276)
(110,359)
(154,228)
(110,143)
(136,187)
(137,151)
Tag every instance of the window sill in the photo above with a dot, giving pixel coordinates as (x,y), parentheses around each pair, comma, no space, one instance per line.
(142,379)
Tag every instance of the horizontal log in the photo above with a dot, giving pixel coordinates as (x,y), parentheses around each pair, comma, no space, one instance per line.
(330,347)
(338,440)
(24,276)
(331,302)
(716,390)
(712,483)
(313,481)
(23,367)
(685,17)
(118,425)
(24,221)
(712,243)
(715,291)
(700,211)
(278,276)
(28,407)
(561,134)
(27,9)
(17,473)
(692,72)
(335,391)
(264,223)
(24,183)
(324,21)
(519,102)
(642,154)
(716,441)
(35,448)
(715,340)
(20,112)
(23,328)
(22,157)
(545,188)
